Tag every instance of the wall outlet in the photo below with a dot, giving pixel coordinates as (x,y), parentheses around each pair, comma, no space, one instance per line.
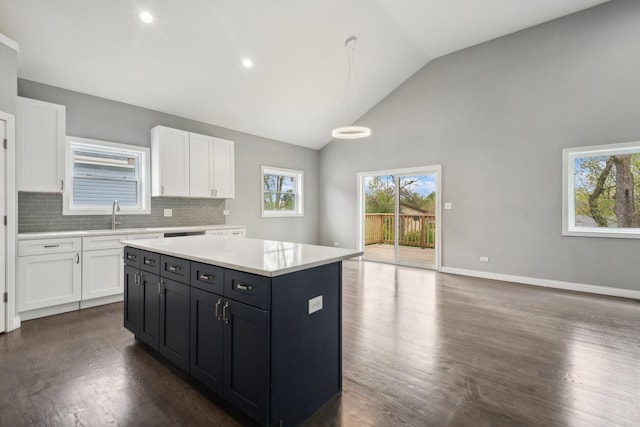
(484,259)
(315,304)
(225,212)
(448,205)
(336,243)
(168,212)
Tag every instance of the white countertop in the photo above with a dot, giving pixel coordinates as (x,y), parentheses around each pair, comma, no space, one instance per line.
(119,231)
(264,257)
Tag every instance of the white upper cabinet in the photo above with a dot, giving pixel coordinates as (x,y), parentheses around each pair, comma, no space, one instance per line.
(40,134)
(223,169)
(200,170)
(208,171)
(169,162)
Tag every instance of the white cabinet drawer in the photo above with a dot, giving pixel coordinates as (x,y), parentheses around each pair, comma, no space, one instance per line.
(49,246)
(102,242)
(145,236)
(236,232)
(232,232)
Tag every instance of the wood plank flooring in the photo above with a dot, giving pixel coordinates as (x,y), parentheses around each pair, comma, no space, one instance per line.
(420,348)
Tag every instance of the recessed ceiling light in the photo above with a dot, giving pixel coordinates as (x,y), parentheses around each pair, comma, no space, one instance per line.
(146,17)
(247,63)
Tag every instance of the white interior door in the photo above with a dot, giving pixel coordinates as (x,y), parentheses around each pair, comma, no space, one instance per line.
(3,232)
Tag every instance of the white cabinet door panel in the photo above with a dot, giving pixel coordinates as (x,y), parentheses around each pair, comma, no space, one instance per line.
(102,273)
(169,162)
(223,169)
(46,280)
(200,168)
(40,134)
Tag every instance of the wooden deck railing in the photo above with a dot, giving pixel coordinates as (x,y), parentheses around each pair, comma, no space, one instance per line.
(414,230)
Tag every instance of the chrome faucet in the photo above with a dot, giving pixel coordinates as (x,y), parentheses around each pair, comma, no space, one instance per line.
(114,209)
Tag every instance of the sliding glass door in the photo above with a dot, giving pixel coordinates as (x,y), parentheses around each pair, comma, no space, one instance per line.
(399,216)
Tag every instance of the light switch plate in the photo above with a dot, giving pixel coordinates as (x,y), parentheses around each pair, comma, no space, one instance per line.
(315,304)
(168,212)
(448,205)
(225,212)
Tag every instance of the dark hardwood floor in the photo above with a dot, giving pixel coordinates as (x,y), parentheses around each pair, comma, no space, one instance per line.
(420,348)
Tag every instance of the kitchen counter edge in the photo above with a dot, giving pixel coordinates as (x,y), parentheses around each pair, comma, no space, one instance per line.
(123,231)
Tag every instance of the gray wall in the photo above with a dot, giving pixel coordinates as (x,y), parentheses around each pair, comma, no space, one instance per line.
(98,118)
(8,79)
(496,117)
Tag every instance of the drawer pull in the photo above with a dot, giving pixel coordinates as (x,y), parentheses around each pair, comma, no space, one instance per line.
(218,317)
(224,313)
(174,268)
(149,261)
(51,246)
(242,287)
(131,257)
(205,276)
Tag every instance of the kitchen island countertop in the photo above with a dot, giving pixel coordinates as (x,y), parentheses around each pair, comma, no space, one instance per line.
(269,258)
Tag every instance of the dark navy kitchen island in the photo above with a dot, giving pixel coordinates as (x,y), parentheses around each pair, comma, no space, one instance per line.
(257,322)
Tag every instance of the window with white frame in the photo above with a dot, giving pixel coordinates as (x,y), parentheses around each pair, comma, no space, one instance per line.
(98,173)
(601,194)
(282,192)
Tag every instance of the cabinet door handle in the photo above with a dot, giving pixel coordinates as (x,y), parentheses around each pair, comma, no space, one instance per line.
(215,192)
(51,246)
(174,268)
(161,287)
(224,313)
(242,287)
(162,189)
(62,185)
(149,261)
(211,192)
(218,309)
(140,279)
(205,276)
(78,258)
(135,279)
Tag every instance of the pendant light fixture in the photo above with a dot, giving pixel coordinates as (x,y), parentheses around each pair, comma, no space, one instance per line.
(350,132)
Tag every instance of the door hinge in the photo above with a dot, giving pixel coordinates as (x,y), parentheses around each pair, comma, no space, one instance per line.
(6,297)
(5,220)
(4,143)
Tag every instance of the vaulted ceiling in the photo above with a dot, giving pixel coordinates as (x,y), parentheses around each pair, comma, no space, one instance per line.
(188,61)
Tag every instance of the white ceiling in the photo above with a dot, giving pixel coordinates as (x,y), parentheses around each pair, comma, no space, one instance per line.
(188,61)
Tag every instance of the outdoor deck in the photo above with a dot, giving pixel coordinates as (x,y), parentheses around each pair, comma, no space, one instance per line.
(408,254)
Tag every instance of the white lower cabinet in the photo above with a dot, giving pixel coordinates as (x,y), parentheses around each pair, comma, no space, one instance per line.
(102,273)
(65,274)
(50,279)
(103,266)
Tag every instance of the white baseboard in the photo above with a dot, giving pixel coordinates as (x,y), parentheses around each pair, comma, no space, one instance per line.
(49,311)
(101,301)
(556,284)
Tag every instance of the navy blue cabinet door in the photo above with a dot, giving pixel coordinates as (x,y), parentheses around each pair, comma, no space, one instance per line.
(150,309)
(132,294)
(174,322)
(207,333)
(246,359)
